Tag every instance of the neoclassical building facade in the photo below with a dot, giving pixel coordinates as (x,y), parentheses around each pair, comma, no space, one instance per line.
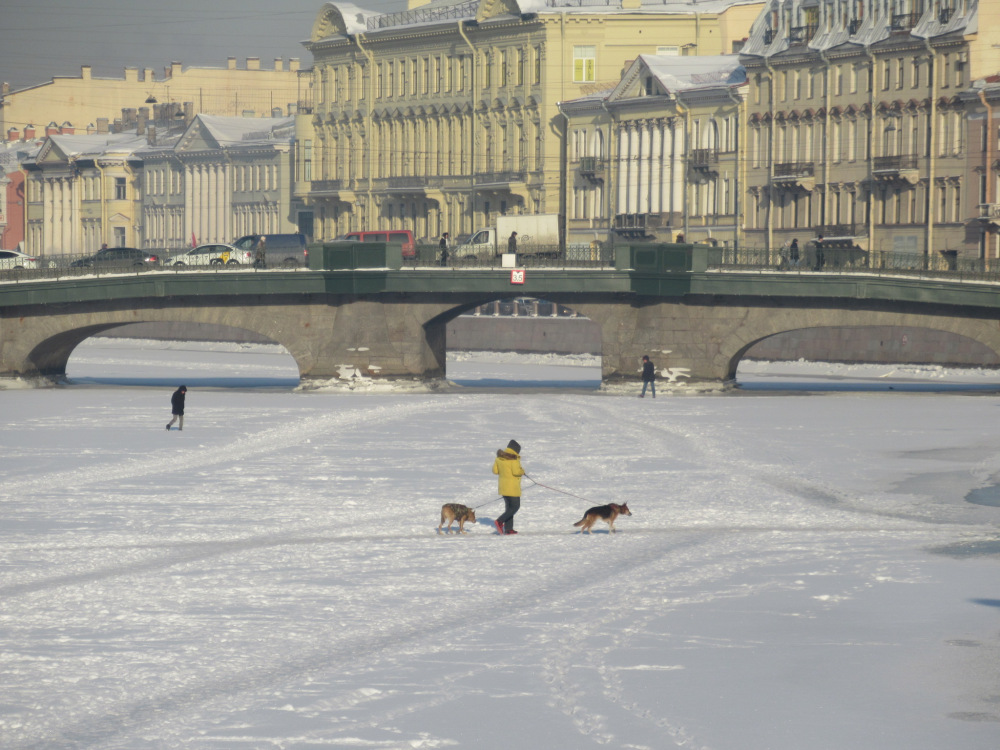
(224,178)
(657,156)
(859,123)
(445,116)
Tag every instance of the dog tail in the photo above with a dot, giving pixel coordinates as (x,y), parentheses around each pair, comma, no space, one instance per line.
(581,521)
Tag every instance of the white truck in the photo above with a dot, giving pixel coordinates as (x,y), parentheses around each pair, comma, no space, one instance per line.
(537,235)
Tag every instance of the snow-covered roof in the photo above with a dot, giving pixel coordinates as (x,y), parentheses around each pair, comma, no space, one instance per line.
(340,19)
(230,131)
(96,144)
(683,73)
(845,22)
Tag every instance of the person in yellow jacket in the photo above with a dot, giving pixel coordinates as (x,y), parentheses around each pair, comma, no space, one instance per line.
(507,467)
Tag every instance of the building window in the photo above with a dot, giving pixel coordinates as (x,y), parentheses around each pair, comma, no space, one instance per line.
(120,189)
(584,64)
(519,72)
(537,77)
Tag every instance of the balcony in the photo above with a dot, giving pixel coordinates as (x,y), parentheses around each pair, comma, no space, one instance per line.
(854,26)
(638,226)
(327,186)
(795,174)
(902,22)
(835,231)
(896,168)
(592,167)
(497,178)
(703,159)
(989,211)
(802,34)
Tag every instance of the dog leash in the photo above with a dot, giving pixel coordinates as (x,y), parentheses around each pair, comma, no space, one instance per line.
(477,507)
(556,489)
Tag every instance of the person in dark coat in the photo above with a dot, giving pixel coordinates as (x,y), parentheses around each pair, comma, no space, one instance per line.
(648,376)
(177,407)
(512,243)
(445,242)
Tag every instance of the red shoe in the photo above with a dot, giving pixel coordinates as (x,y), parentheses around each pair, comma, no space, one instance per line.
(510,532)
(498,527)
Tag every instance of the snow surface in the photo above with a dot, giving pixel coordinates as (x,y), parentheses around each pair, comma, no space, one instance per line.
(799,572)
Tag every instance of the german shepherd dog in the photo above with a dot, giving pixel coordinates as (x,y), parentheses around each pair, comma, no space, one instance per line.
(451,512)
(606,513)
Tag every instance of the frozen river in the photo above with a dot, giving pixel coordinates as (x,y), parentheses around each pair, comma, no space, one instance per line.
(801,570)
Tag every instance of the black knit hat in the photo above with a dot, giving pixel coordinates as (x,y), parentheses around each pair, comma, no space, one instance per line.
(514,446)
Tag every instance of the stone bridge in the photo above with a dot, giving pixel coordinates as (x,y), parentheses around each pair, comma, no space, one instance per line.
(391,323)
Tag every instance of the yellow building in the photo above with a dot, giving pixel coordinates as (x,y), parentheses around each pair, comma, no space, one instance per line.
(84,101)
(658,156)
(444,116)
(858,125)
(82,191)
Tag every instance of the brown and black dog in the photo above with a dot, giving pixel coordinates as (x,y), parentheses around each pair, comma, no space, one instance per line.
(606,513)
(451,512)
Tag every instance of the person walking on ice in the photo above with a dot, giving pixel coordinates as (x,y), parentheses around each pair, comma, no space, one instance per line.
(507,467)
(648,376)
(177,407)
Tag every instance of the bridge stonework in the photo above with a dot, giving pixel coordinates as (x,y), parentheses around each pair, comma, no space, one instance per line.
(696,327)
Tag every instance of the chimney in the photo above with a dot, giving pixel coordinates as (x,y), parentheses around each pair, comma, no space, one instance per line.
(67,128)
(131,75)
(52,128)
(29,132)
(141,120)
(151,134)
(175,69)
(102,124)
(147,75)
(253,63)
(231,63)
(279,64)
(91,129)
(85,72)
(293,64)
(13,134)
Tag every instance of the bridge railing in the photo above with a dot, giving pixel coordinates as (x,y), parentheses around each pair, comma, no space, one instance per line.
(576,255)
(847,260)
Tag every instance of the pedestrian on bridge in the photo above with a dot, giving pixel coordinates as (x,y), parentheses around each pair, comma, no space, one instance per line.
(444,244)
(177,407)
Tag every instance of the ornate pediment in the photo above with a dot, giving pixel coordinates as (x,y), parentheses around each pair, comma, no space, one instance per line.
(494,8)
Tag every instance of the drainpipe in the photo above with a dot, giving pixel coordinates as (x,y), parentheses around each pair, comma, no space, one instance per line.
(684,166)
(612,179)
(104,202)
(472,126)
(770,157)
(986,163)
(368,115)
(931,163)
(740,103)
(871,152)
(826,137)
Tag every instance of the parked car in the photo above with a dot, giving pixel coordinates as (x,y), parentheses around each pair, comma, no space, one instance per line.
(118,256)
(15,259)
(215,254)
(279,249)
(402,236)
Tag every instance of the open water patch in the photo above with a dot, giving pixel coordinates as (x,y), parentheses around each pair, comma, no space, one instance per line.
(972,548)
(989,495)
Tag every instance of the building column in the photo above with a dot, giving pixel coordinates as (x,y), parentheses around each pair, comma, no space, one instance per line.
(622,176)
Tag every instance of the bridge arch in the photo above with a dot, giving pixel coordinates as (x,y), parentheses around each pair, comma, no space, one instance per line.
(766,322)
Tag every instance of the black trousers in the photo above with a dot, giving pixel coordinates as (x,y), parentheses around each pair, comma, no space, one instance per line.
(511,505)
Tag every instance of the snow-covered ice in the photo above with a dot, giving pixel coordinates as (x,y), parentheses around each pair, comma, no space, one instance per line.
(799,572)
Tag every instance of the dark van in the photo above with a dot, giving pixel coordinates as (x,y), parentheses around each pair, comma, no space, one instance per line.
(402,237)
(279,249)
